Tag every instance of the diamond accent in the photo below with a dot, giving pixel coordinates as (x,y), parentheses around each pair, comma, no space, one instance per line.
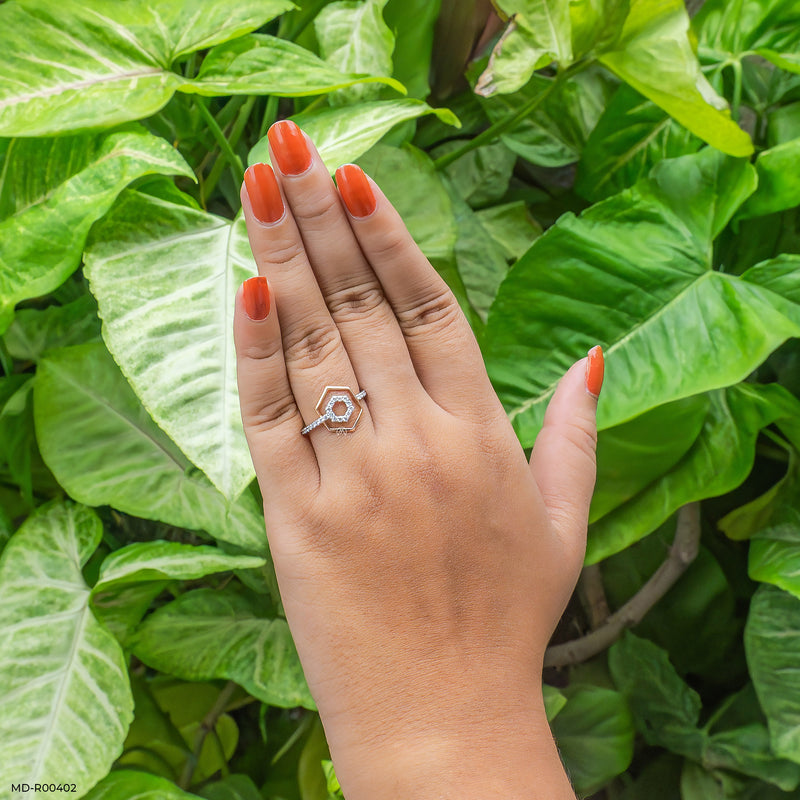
(339,398)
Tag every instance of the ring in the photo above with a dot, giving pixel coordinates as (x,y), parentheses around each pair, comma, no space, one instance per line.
(331,397)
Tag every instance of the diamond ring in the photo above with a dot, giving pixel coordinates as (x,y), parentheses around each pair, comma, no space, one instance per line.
(338,408)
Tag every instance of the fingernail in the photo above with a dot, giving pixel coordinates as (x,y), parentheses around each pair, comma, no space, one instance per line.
(355,190)
(256,297)
(265,196)
(595,367)
(289,147)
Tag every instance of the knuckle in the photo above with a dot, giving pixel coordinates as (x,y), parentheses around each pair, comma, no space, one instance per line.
(355,301)
(314,208)
(259,352)
(581,433)
(439,313)
(270,413)
(309,346)
(282,254)
(390,246)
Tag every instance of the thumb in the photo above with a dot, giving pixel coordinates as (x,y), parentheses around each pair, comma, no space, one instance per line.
(563,458)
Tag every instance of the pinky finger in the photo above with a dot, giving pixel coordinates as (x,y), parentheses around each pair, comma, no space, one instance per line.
(284,459)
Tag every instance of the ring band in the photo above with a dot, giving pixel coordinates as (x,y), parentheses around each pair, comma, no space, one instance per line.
(331,397)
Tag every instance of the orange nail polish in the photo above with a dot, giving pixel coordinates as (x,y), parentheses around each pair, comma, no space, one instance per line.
(289,147)
(256,297)
(355,190)
(595,368)
(265,196)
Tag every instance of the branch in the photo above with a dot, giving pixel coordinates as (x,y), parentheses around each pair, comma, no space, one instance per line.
(208,724)
(683,551)
(593,596)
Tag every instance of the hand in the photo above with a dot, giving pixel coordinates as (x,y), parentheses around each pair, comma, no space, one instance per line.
(422,562)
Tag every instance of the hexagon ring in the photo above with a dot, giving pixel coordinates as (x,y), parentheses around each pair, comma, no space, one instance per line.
(338,408)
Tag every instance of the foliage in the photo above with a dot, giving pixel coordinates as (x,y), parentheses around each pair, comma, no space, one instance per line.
(602,171)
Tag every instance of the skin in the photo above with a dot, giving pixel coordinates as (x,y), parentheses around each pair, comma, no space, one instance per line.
(422,561)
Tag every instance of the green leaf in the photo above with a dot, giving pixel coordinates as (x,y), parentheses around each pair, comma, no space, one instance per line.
(481,176)
(354,38)
(778,181)
(511,226)
(718,461)
(769,28)
(51,193)
(554,701)
(555,133)
(33,331)
(412,23)
(596,24)
(630,137)
(124,784)
(165,277)
(78,64)
(654,55)
(665,709)
(538,32)
(104,449)
(632,455)
(261,64)
(772,645)
(408,178)
(344,134)
(132,576)
(63,678)
(650,246)
(595,736)
(208,633)
(232,787)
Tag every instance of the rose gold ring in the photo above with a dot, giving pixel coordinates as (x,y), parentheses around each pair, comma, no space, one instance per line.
(339,399)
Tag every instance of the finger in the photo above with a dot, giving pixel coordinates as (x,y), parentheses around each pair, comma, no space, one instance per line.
(313,351)
(563,458)
(353,294)
(443,348)
(285,462)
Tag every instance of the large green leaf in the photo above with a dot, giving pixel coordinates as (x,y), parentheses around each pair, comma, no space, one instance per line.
(653,54)
(104,449)
(718,461)
(78,64)
(125,784)
(634,273)
(631,137)
(538,33)
(344,134)
(63,679)
(132,576)
(595,735)
(260,64)
(778,181)
(354,38)
(772,644)
(53,190)
(209,633)
(412,23)
(165,277)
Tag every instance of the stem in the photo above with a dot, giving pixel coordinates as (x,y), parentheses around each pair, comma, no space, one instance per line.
(682,553)
(270,115)
(593,596)
(219,136)
(508,122)
(304,725)
(208,724)
(737,89)
(236,134)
